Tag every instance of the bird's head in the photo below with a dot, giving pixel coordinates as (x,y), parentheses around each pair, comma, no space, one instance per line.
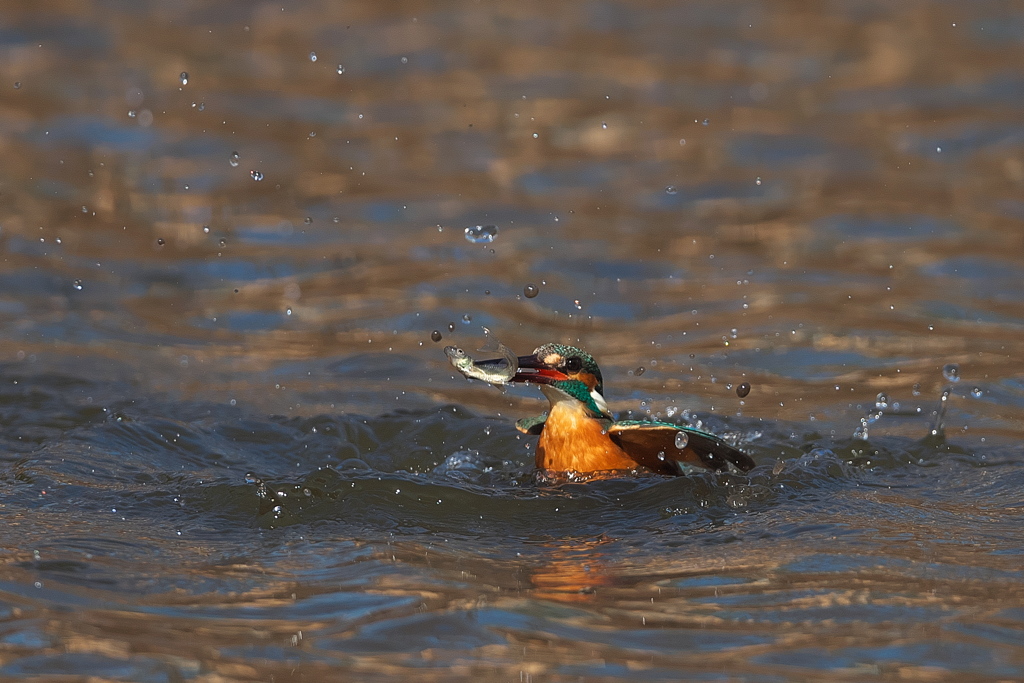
(565,372)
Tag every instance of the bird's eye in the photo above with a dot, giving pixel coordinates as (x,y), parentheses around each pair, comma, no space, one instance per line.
(574,364)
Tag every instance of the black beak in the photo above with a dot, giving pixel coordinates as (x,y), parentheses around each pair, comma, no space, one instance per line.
(530,369)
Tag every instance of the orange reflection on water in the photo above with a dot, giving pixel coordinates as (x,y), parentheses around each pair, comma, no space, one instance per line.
(573,571)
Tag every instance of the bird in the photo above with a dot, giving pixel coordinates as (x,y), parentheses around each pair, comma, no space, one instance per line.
(579,435)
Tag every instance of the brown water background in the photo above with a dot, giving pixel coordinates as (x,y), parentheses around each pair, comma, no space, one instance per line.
(230,449)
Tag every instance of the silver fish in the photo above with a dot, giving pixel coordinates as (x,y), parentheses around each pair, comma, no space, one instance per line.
(492,371)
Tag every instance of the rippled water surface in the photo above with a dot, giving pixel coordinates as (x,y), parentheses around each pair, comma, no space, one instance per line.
(231,448)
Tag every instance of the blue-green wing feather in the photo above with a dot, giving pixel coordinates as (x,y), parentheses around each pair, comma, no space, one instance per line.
(532,425)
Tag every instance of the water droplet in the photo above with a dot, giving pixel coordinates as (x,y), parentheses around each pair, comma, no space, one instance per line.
(341,69)
(467,318)
(861,432)
(184,78)
(951,371)
(206,229)
(882,401)
(78,285)
(451,327)
(976,392)
(639,371)
(604,124)
(916,391)
(481,233)
(530,291)
(223,242)
(308,220)
(435,336)
(758,181)
(706,122)
(743,389)
(17,85)
(577,304)
(132,113)
(160,241)
(671,189)
(256,175)
(682,439)
(682,141)
(405,60)
(661,455)
(233,160)
(312,56)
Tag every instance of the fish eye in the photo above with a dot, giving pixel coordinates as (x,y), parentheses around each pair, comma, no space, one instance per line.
(574,364)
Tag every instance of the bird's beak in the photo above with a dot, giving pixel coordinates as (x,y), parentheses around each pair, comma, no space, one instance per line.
(530,369)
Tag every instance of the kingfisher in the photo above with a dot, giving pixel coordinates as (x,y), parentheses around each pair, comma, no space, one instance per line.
(578,433)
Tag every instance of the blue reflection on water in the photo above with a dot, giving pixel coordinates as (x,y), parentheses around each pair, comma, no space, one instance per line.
(983,277)
(1006,89)
(913,227)
(92,131)
(775,149)
(56,189)
(946,655)
(806,364)
(589,176)
(945,310)
(609,270)
(242,321)
(995,30)
(961,143)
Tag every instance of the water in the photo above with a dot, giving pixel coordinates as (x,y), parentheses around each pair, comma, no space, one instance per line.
(240,454)
(481,234)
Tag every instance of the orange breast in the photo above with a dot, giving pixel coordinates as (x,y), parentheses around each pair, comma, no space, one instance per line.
(574,441)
